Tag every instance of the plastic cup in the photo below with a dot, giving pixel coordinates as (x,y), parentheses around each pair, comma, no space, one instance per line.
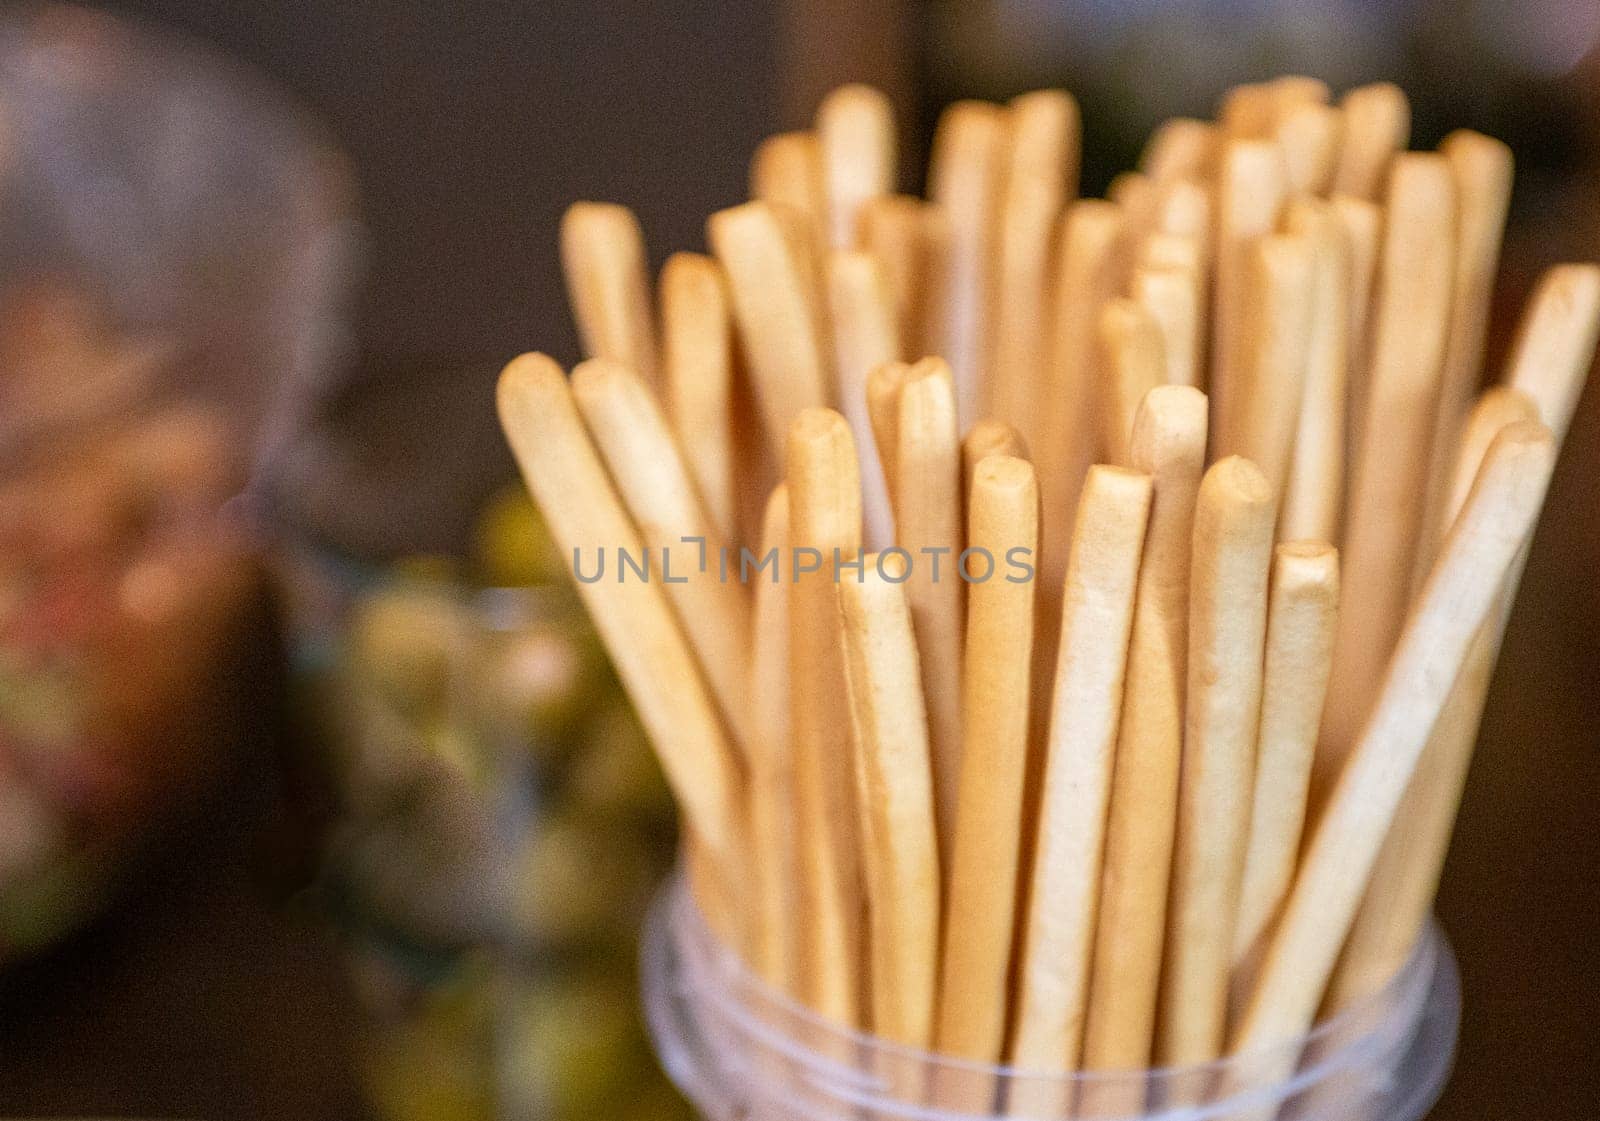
(737,1049)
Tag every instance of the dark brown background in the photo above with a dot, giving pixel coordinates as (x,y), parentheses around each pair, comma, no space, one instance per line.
(471,124)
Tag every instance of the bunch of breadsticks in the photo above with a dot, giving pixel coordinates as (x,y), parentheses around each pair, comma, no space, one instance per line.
(1065,622)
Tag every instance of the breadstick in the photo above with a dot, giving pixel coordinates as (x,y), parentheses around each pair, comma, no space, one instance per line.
(1140,199)
(855,129)
(773,309)
(1303,607)
(1169,443)
(1135,363)
(928,525)
(1363,227)
(865,336)
(1249,195)
(900,854)
(1180,148)
(1183,207)
(1227,623)
(1377,126)
(1313,499)
(903,232)
(824,514)
(564,473)
(982,900)
(1289,91)
(776,933)
(1399,893)
(1097,615)
(697,367)
(1481,547)
(1482,170)
(986,438)
(883,410)
(787,171)
(1273,355)
(1308,134)
(1389,478)
(963,182)
(1171,297)
(1548,368)
(1247,111)
(603,257)
(643,459)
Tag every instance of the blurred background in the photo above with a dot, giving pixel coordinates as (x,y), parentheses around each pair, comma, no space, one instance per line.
(322,802)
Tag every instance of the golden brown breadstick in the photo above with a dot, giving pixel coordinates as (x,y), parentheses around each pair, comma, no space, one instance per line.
(1388,479)
(1180,148)
(986,438)
(1133,357)
(1377,126)
(602,255)
(1097,615)
(1482,169)
(776,929)
(1308,134)
(1273,354)
(1363,229)
(1171,296)
(1183,207)
(1250,193)
(883,410)
(902,232)
(1169,443)
(1313,500)
(1556,341)
(1227,624)
(1333,872)
(775,313)
(1301,615)
(651,656)
(855,130)
(964,171)
(639,452)
(1247,111)
(697,369)
(982,901)
(899,851)
(865,336)
(824,514)
(927,494)
(787,171)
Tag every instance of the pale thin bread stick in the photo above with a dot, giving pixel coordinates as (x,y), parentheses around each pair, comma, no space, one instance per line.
(904,233)
(1546,372)
(1044,137)
(865,336)
(963,182)
(603,257)
(1363,229)
(986,438)
(824,514)
(1227,625)
(1273,354)
(697,367)
(1333,872)
(1313,500)
(776,932)
(775,314)
(928,525)
(1482,169)
(1171,297)
(1169,443)
(1303,607)
(1399,893)
(1291,90)
(1097,616)
(1183,207)
(633,618)
(883,410)
(1388,480)
(1180,148)
(633,438)
(1377,126)
(1308,134)
(1247,111)
(1250,192)
(1134,359)
(981,911)
(1139,198)
(855,128)
(787,171)
(900,854)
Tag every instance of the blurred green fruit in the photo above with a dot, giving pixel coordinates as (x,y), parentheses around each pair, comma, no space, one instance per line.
(546,679)
(410,641)
(579,881)
(512,545)
(581,1033)
(615,775)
